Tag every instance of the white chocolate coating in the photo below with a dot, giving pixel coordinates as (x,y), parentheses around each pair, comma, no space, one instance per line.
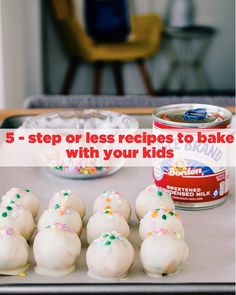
(151,198)
(56,249)
(109,257)
(163,253)
(18,218)
(14,252)
(22,197)
(160,218)
(58,214)
(112,200)
(106,221)
(68,198)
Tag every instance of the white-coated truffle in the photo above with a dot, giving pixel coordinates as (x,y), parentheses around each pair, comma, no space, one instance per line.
(68,198)
(14,253)
(163,252)
(106,221)
(59,214)
(22,197)
(151,198)
(109,257)
(18,218)
(56,249)
(160,218)
(112,200)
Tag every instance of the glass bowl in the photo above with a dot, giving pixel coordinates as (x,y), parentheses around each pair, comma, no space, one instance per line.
(82,119)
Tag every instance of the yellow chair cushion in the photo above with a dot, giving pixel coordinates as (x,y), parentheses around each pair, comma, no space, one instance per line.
(143,43)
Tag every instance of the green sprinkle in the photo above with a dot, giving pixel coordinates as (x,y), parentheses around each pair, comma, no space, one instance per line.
(164,217)
(57,206)
(65,194)
(4,214)
(9,208)
(12,202)
(59,168)
(105,235)
(100,168)
(159,193)
(112,237)
(17,196)
(27,190)
(171,213)
(106,211)
(107,243)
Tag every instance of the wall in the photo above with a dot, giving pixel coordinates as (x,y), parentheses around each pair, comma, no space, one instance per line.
(21,48)
(219,63)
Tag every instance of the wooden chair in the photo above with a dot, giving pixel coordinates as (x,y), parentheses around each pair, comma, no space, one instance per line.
(146,32)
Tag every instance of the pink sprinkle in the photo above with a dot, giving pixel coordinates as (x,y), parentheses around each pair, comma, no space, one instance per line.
(8,231)
(64,227)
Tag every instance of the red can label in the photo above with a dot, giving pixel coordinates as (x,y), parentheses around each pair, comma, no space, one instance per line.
(190,176)
(195,188)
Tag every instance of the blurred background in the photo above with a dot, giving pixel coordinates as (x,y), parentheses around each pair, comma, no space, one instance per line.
(157,47)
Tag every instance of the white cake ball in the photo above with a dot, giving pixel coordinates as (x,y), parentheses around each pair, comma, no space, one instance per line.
(112,200)
(56,249)
(151,198)
(18,218)
(160,218)
(106,221)
(60,214)
(109,257)
(23,197)
(14,252)
(163,252)
(68,198)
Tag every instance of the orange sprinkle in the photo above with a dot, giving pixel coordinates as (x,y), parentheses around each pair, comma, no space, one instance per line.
(149,234)
(108,207)
(154,214)
(61,212)
(108,200)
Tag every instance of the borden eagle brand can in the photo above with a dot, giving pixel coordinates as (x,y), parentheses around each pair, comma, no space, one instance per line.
(193,184)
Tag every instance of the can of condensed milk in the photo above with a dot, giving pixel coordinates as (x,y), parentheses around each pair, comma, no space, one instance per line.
(194,184)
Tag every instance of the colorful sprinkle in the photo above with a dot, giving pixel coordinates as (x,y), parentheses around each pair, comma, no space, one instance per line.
(171,213)
(112,237)
(26,190)
(107,243)
(107,211)
(22,274)
(4,214)
(159,193)
(56,206)
(9,208)
(108,200)
(105,235)
(154,214)
(164,217)
(17,196)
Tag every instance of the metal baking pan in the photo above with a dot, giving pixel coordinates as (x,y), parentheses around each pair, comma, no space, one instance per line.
(209,234)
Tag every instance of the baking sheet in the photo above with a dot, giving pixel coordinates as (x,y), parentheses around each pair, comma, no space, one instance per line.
(210,235)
